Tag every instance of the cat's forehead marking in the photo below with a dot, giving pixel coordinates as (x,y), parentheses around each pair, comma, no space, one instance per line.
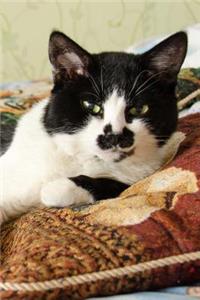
(114,108)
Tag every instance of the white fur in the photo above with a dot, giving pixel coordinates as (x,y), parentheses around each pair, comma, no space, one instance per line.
(35,168)
(64,192)
(114,112)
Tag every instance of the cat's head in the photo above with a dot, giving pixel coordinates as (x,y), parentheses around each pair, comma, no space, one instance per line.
(113,104)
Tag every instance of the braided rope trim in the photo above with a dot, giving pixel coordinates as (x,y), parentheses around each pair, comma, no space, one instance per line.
(102,275)
(183,102)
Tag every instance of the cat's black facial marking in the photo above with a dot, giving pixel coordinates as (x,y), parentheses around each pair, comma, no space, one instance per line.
(111,140)
(107,129)
(146,83)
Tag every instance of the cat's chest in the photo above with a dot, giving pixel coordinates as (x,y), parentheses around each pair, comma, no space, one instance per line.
(127,171)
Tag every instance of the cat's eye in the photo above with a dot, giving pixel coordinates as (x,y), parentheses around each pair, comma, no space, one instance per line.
(134,112)
(92,107)
(144,109)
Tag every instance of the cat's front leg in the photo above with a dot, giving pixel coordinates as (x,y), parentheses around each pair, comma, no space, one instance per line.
(64,192)
(81,189)
(100,188)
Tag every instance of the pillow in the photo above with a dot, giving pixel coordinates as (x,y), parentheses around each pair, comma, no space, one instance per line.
(148,238)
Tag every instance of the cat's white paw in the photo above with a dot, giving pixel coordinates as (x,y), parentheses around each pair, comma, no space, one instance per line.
(64,192)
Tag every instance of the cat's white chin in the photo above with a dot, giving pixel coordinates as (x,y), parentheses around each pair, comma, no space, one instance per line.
(114,156)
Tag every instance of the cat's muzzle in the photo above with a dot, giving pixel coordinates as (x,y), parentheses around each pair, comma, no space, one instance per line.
(110,140)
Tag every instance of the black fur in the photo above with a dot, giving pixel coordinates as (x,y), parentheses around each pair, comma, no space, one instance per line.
(100,188)
(7,130)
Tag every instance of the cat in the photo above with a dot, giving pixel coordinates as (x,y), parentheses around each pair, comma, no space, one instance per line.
(106,125)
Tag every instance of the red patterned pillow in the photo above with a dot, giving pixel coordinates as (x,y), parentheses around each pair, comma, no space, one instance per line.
(148,238)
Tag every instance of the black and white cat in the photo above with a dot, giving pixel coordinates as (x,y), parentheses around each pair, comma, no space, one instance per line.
(106,125)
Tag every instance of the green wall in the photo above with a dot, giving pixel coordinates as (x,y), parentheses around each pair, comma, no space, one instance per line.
(96,25)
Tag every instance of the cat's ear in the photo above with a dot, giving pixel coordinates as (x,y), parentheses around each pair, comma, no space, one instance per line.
(68,59)
(167,57)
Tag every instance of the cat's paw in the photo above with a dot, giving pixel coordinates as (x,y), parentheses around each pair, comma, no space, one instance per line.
(64,192)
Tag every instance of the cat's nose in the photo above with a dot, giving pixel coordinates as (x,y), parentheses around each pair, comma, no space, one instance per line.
(110,140)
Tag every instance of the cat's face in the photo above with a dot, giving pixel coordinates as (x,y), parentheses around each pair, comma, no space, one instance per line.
(113,105)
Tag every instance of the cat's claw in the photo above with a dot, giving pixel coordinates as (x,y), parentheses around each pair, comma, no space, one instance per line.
(64,192)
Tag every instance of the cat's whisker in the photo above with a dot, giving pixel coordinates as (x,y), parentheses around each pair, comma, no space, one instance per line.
(146,87)
(95,85)
(92,94)
(146,81)
(136,80)
(102,79)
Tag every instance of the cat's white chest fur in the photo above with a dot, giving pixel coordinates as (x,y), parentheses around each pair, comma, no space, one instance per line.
(34,159)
